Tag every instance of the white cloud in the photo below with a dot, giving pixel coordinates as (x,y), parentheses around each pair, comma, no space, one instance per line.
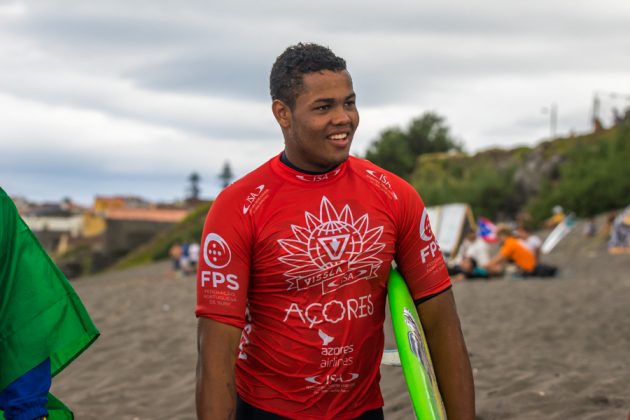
(109,93)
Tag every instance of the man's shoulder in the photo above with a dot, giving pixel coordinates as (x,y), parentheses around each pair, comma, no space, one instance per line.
(383,179)
(360,164)
(248,191)
(261,175)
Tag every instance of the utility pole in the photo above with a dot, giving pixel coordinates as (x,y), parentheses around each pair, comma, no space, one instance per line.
(611,96)
(596,107)
(553,118)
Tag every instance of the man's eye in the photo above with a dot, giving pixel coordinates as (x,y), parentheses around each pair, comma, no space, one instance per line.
(350,104)
(322,108)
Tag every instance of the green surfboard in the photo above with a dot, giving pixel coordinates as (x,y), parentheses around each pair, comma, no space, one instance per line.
(414,353)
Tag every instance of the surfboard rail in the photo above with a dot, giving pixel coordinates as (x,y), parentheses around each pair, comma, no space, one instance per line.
(413,351)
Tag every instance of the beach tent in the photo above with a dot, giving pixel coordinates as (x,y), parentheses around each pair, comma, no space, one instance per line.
(449,222)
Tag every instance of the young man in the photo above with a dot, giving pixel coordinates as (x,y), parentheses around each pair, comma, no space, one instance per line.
(295,259)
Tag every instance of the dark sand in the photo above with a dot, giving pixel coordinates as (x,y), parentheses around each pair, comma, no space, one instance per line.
(540,349)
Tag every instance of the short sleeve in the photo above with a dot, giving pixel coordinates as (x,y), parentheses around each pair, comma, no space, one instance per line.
(224,263)
(418,254)
(507,250)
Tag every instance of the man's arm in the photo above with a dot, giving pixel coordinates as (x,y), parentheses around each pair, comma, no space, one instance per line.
(449,355)
(217,345)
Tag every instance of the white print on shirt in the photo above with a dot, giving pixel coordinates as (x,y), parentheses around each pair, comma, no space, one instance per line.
(333,357)
(426,234)
(216,252)
(332,378)
(219,280)
(325,337)
(332,382)
(318,178)
(242,347)
(252,197)
(432,249)
(382,179)
(332,312)
(331,251)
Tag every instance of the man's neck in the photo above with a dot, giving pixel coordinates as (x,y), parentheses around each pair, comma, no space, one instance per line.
(284,159)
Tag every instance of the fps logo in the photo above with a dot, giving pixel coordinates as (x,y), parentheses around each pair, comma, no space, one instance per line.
(426,234)
(216,251)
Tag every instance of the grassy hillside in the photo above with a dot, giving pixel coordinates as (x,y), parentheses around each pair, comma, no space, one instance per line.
(187,230)
(586,174)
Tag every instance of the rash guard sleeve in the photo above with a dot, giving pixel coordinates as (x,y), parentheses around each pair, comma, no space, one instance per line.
(418,254)
(224,264)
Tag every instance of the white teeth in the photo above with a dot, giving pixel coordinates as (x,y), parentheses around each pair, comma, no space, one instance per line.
(339,136)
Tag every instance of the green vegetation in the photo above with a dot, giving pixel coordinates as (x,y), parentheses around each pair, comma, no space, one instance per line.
(594,177)
(188,230)
(483,181)
(586,175)
(397,151)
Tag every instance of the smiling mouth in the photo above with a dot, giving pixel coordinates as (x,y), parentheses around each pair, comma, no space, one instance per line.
(341,137)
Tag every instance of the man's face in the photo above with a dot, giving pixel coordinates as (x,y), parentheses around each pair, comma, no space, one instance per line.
(320,127)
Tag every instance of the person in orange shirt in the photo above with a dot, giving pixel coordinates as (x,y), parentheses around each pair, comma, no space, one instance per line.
(513,250)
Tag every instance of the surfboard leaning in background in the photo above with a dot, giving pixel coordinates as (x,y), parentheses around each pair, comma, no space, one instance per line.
(558,233)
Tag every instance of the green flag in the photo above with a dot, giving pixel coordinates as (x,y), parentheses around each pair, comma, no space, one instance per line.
(41,316)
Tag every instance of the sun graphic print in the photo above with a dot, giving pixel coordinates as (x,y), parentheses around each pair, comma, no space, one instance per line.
(331,250)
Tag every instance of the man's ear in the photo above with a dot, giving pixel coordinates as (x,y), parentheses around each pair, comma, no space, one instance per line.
(282,112)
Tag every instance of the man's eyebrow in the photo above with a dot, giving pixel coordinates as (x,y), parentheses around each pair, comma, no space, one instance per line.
(332,100)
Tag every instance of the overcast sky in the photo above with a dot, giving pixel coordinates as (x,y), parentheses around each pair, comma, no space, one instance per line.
(119,97)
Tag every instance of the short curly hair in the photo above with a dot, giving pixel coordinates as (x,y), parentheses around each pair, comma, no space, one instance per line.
(286,78)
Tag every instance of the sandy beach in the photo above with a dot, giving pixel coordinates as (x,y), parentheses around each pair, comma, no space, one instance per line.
(540,349)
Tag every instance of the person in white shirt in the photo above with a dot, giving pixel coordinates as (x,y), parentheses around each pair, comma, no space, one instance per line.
(532,242)
(473,255)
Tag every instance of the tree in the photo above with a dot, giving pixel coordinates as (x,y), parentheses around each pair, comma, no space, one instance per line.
(194,189)
(398,151)
(226,174)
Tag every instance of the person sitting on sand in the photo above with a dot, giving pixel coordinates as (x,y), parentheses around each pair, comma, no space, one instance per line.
(175,252)
(513,250)
(473,255)
(531,241)
(454,264)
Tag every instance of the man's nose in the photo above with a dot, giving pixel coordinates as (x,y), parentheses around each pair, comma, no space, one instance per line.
(341,116)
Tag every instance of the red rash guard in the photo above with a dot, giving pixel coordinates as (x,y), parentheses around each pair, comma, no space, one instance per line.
(300,263)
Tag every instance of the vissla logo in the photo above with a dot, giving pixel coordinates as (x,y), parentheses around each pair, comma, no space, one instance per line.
(216,252)
(332,250)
